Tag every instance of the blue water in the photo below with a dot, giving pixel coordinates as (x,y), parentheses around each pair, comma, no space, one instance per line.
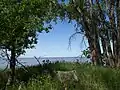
(33,61)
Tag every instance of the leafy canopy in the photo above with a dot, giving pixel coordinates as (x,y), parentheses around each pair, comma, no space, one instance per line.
(20,20)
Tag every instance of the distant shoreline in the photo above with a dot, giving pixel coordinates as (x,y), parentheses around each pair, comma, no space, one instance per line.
(32,61)
(51,57)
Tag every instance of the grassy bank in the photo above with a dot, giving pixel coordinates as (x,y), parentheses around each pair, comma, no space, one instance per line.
(43,78)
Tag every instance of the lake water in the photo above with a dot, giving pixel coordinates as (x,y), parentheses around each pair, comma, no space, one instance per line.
(33,61)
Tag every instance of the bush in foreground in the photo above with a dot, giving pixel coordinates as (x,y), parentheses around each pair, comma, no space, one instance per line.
(90,78)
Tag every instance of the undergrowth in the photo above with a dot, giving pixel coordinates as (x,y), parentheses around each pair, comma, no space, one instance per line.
(42,77)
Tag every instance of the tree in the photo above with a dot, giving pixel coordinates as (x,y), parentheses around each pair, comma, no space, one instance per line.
(82,12)
(98,20)
(20,21)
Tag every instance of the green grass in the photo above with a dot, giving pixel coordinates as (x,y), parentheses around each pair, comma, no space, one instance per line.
(90,77)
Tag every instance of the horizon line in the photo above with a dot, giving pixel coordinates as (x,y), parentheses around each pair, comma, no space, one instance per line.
(49,56)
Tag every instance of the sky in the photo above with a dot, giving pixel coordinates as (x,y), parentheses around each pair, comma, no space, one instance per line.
(56,42)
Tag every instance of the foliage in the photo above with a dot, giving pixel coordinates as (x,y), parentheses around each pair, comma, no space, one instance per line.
(86,53)
(20,22)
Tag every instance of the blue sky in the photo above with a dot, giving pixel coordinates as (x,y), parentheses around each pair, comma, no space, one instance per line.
(55,43)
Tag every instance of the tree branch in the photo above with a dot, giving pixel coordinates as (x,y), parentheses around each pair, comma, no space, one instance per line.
(22,65)
(37,60)
(72,36)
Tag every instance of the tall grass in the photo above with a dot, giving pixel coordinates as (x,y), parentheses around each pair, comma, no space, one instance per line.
(42,77)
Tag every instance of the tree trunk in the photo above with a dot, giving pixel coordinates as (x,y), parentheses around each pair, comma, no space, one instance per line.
(104,56)
(104,46)
(109,50)
(12,64)
(118,34)
(113,28)
(87,22)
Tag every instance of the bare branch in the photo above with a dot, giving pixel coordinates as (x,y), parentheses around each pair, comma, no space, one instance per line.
(24,67)
(3,54)
(37,60)
(71,37)
(5,68)
(7,54)
(83,41)
(8,60)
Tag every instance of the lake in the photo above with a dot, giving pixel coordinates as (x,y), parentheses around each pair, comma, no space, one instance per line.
(33,61)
